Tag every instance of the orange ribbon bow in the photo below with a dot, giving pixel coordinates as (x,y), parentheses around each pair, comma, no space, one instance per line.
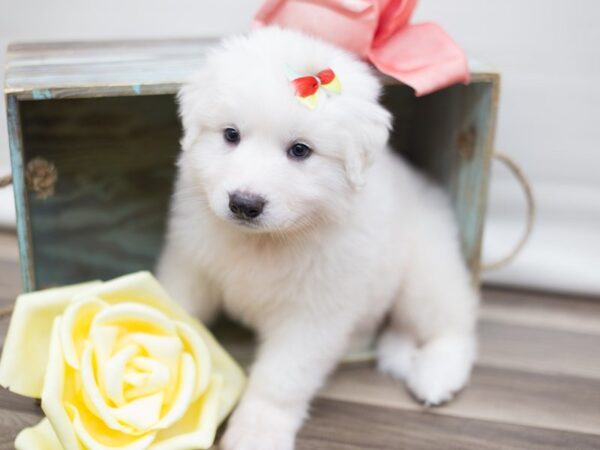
(307,87)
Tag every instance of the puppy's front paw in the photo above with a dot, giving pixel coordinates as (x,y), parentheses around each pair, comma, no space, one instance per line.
(258,425)
(442,367)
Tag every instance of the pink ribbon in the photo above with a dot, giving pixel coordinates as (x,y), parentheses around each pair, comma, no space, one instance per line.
(421,55)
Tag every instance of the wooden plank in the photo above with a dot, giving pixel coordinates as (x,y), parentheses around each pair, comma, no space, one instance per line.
(539,350)
(336,425)
(107,215)
(115,159)
(4,320)
(556,312)
(457,153)
(449,136)
(502,345)
(15,139)
(9,250)
(80,69)
(72,69)
(11,422)
(540,405)
(10,274)
(499,395)
(10,282)
(17,403)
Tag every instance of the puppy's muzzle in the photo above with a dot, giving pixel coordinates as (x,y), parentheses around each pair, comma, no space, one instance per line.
(246,206)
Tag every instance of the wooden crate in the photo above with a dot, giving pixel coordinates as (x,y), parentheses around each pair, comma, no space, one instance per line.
(104,114)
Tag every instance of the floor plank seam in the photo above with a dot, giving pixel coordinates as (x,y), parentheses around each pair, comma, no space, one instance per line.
(429,411)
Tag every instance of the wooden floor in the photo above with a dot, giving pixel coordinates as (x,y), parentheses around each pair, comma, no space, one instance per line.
(536,386)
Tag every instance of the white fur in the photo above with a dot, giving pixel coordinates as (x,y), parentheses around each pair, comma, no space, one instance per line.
(348,236)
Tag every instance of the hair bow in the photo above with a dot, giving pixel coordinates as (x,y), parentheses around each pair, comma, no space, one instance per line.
(307,87)
(420,55)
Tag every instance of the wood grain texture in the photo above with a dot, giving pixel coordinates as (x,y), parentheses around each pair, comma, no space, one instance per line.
(117,68)
(104,114)
(10,282)
(494,394)
(115,161)
(540,350)
(448,135)
(11,422)
(536,385)
(17,159)
(10,277)
(341,425)
(542,310)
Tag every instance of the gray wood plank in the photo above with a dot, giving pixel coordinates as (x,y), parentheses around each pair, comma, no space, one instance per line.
(540,309)
(10,282)
(499,395)
(11,422)
(10,275)
(81,69)
(10,401)
(336,425)
(539,350)
(9,250)
(537,385)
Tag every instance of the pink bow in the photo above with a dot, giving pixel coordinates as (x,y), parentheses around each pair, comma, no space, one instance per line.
(420,55)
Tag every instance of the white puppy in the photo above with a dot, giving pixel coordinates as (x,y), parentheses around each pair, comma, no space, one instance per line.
(301,224)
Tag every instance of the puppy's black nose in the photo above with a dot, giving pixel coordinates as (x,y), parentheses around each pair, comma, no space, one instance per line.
(245,205)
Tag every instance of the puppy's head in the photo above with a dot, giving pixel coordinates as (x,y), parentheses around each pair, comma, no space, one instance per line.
(263,160)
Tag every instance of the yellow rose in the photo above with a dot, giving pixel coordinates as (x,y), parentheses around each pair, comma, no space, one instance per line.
(118,365)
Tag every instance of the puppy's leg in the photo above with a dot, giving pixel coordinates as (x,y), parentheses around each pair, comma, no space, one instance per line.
(293,361)
(191,288)
(396,352)
(430,343)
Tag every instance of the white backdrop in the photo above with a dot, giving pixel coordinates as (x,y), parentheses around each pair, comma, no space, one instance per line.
(549,56)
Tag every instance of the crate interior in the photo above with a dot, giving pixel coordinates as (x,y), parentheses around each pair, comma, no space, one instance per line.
(115,160)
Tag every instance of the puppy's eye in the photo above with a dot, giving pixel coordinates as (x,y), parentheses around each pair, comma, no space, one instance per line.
(299,151)
(231,135)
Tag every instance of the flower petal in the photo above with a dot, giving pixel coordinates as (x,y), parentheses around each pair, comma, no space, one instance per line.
(38,437)
(113,373)
(148,378)
(135,317)
(164,349)
(103,341)
(54,390)
(93,397)
(75,327)
(186,383)
(197,429)
(29,332)
(201,356)
(142,287)
(90,442)
(141,414)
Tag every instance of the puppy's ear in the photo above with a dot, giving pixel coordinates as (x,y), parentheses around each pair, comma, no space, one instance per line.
(371,125)
(193,104)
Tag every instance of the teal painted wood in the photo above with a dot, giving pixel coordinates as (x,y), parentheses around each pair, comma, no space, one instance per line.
(449,136)
(15,139)
(473,165)
(115,159)
(104,114)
